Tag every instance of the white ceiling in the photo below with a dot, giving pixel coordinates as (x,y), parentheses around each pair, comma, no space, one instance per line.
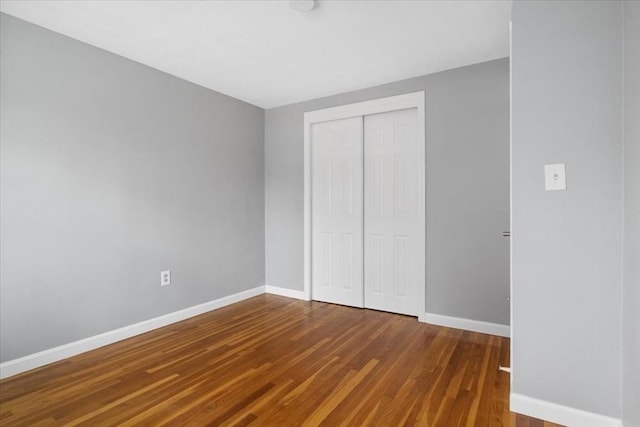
(268,54)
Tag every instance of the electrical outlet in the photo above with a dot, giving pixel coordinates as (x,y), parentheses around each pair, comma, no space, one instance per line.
(165,278)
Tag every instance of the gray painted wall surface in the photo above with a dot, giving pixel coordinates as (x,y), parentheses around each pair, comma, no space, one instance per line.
(467,137)
(631,291)
(566,101)
(111,172)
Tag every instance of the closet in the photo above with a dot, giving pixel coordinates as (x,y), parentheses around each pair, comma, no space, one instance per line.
(367,211)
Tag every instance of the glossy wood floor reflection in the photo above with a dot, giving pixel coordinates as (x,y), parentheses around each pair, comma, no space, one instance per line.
(273,361)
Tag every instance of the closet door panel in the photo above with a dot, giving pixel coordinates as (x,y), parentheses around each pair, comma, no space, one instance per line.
(337,211)
(393,212)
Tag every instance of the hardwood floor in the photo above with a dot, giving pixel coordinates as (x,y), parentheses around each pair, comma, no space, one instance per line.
(275,361)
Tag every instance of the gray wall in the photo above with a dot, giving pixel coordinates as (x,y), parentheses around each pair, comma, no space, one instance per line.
(567,245)
(631,291)
(111,172)
(467,136)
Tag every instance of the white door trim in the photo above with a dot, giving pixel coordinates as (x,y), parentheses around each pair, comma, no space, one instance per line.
(381,105)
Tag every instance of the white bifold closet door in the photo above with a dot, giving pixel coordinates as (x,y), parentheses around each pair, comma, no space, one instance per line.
(337,211)
(393,212)
(367,212)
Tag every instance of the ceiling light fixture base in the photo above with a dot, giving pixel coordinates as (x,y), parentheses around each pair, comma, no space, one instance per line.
(302,5)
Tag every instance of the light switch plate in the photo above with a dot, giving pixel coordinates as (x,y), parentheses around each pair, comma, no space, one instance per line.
(554,177)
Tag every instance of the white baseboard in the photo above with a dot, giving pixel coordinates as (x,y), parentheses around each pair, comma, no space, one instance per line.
(466,324)
(32,361)
(285,292)
(559,414)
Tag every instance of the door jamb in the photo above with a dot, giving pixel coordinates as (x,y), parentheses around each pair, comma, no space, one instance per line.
(375,106)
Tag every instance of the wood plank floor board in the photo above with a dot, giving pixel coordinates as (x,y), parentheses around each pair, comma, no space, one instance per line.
(274,361)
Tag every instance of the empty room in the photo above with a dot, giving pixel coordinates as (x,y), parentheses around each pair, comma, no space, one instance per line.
(320,212)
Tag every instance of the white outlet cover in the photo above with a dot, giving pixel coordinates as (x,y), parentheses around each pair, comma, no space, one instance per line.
(165,278)
(554,177)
